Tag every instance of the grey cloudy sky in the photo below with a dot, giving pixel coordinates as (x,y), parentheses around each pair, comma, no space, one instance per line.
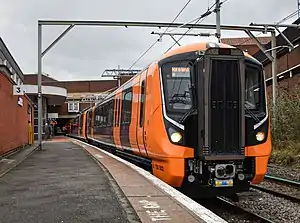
(86,51)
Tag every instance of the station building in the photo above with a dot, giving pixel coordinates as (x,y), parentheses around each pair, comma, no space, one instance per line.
(71,97)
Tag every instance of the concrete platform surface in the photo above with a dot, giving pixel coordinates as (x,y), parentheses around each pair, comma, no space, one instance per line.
(7,163)
(61,184)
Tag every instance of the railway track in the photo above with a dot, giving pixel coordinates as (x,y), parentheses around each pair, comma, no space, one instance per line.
(277,193)
(283,181)
(264,203)
(232,212)
(280,187)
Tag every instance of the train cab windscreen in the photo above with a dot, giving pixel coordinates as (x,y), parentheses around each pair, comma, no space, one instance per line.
(177,83)
(255,104)
(254,87)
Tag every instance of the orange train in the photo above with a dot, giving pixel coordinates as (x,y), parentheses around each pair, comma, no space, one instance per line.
(197,118)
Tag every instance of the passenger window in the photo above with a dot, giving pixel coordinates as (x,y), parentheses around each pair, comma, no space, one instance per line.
(126,106)
(128,101)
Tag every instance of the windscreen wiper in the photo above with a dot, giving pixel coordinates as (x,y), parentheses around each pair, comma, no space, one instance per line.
(193,108)
(188,113)
(251,114)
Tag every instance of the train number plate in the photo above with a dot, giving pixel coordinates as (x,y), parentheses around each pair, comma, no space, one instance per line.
(223,183)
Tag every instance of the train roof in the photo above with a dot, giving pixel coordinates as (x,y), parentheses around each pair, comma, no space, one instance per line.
(201,46)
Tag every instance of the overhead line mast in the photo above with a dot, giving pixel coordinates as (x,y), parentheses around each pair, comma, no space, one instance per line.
(218,20)
(298,8)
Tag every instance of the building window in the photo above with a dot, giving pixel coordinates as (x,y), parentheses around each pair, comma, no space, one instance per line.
(76,106)
(73,106)
(15,78)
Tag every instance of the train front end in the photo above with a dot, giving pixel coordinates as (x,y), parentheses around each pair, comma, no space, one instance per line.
(216,104)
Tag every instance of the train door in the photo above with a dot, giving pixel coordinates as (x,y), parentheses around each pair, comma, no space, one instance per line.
(111,121)
(134,116)
(88,123)
(79,126)
(141,114)
(117,120)
(126,112)
(92,122)
(83,125)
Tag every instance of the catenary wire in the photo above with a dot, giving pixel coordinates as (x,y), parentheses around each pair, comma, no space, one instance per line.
(156,41)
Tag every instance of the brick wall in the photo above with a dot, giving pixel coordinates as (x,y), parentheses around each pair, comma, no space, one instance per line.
(251,49)
(284,62)
(13,117)
(32,79)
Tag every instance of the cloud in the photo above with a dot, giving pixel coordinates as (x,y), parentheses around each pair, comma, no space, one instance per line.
(85,52)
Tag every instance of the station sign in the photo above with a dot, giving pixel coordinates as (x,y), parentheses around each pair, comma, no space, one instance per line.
(52,115)
(18,90)
(20,101)
(93,98)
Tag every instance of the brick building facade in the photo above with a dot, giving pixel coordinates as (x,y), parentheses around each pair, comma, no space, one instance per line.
(15,110)
(14,116)
(246,44)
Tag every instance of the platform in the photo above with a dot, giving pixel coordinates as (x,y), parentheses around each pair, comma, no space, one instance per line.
(70,181)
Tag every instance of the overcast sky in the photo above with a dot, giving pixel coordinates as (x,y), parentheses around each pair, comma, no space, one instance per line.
(85,52)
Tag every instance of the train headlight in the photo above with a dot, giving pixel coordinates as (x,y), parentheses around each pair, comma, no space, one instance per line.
(176,137)
(260,136)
